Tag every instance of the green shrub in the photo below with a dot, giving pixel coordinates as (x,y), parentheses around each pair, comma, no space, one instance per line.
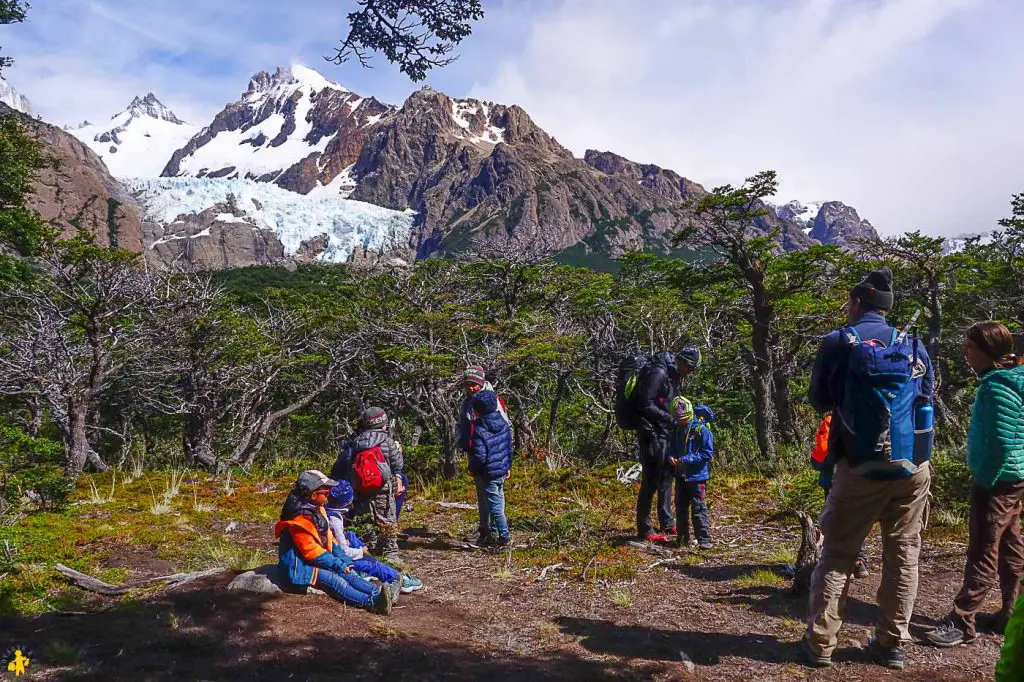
(30,464)
(951,483)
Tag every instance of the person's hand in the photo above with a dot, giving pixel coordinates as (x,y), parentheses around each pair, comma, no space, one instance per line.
(508,474)
(673,461)
(400,487)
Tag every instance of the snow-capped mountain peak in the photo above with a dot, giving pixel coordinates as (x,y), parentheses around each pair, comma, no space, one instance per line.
(152,107)
(295,128)
(13,98)
(137,141)
(800,212)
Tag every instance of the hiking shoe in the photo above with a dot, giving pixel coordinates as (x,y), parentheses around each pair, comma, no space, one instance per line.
(655,537)
(812,658)
(477,537)
(860,569)
(503,541)
(706,545)
(382,602)
(410,584)
(951,633)
(671,531)
(682,541)
(888,656)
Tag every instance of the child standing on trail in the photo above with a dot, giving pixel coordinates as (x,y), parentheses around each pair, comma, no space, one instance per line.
(490,462)
(690,451)
(825,466)
(377,466)
(339,502)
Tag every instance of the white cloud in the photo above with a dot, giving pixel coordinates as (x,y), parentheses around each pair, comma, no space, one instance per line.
(901,108)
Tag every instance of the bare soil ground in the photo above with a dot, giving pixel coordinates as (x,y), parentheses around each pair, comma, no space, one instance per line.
(483,618)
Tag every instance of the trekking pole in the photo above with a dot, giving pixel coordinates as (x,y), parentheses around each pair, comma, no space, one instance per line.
(913,319)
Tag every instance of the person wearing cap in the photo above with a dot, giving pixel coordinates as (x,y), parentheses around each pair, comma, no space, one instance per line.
(474,380)
(382,504)
(658,385)
(339,502)
(690,451)
(309,555)
(855,503)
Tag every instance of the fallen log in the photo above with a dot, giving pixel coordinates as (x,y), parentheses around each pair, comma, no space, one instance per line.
(87,582)
(544,572)
(650,549)
(451,505)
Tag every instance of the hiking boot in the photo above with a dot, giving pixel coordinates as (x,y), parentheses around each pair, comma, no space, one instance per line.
(812,658)
(410,584)
(503,541)
(682,541)
(382,602)
(860,570)
(671,531)
(395,587)
(951,633)
(655,537)
(888,656)
(705,545)
(477,537)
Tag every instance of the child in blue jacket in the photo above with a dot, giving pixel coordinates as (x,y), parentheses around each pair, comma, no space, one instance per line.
(490,461)
(690,451)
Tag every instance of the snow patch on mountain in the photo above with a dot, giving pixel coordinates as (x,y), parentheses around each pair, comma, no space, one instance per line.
(14,99)
(472,115)
(294,218)
(800,212)
(138,141)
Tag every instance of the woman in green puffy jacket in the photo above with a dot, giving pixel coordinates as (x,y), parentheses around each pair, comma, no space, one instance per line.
(995,456)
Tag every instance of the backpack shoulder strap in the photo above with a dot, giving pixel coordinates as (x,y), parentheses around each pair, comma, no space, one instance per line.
(895,335)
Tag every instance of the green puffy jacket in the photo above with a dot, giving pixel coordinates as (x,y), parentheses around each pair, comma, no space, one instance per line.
(995,440)
(1010,667)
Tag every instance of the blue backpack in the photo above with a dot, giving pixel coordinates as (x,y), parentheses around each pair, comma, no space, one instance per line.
(876,419)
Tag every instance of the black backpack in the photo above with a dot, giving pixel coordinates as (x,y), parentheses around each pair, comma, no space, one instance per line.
(627,391)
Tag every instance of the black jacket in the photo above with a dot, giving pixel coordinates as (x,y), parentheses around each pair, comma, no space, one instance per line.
(657,392)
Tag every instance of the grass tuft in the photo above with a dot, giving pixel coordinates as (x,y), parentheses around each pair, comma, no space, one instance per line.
(621,598)
(761,577)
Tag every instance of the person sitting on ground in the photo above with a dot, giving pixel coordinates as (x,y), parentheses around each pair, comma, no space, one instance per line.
(690,451)
(310,556)
(490,463)
(339,503)
(825,466)
(995,456)
(379,499)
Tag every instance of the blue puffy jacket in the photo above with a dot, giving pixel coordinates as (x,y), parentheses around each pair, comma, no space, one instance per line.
(694,446)
(490,444)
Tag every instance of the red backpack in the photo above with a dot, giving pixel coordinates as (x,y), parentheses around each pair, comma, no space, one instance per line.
(368,471)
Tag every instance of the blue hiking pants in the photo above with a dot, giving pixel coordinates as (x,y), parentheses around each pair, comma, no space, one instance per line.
(490,499)
(347,587)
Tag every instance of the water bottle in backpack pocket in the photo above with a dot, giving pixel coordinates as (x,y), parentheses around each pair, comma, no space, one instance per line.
(924,432)
(877,413)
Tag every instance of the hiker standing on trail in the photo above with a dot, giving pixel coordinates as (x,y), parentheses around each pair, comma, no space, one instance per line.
(490,463)
(474,380)
(877,383)
(995,456)
(376,476)
(691,449)
(657,387)
(310,556)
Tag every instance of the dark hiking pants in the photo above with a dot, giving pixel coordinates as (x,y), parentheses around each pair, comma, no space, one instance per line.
(690,503)
(656,478)
(995,552)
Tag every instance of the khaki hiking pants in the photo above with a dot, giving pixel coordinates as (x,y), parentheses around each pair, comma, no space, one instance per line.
(853,506)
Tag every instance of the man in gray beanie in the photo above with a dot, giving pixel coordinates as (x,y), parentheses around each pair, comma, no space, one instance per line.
(897,499)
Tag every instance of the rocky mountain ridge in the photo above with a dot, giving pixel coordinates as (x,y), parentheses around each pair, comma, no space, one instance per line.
(474,173)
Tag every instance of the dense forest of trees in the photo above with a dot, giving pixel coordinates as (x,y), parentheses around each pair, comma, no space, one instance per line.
(103,362)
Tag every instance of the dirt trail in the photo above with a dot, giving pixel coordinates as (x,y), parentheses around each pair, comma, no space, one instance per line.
(480,619)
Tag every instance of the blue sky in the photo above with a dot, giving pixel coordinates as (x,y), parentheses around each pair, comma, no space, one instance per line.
(909,110)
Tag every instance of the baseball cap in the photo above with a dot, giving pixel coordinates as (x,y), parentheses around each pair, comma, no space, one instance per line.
(312,480)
